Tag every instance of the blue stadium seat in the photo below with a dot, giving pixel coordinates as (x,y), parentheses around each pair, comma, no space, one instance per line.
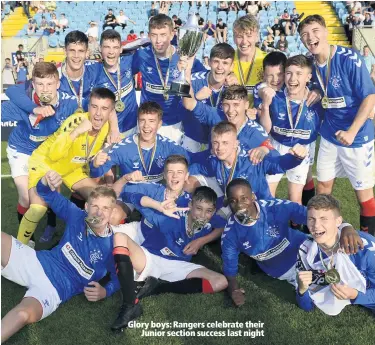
(53,41)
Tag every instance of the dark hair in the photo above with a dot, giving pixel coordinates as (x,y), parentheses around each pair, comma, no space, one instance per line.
(237,182)
(235,92)
(20,45)
(132,32)
(222,51)
(160,21)
(274,59)
(300,61)
(315,18)
(45,70)
(150,108)
(110,34)
(110,9)
(324,202)
(206,194)
(141,32)
(173,159)
(7,59)
(223,127)
(102,93)
(76,37)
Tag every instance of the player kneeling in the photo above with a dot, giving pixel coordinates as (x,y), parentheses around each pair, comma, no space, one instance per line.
(54,276)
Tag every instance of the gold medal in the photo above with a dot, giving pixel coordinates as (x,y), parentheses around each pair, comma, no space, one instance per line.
(325,102)
(79,110)
(166,96)
(45,98)
(332,276)
(119,106)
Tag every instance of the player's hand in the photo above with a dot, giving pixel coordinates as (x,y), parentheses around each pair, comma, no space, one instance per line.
(350,240)
(193,247)
(267,94)
(114,137)
(304,279)
(135,176)
(45,111)
(257,155)
(170,212)
(94,292)
(100,159)
(251,113)
(204,93)
(84,127)
(52,179)
(344,291)
(168,204)
(298,151)
(182,63)
(313,97)
(345,137)
(231,79)
(238,297)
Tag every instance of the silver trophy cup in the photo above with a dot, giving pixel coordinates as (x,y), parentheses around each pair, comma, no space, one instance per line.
(189,38)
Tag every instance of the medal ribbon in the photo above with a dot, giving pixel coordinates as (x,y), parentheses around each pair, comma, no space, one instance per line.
(330,259)
(142,158)
(243,81)
(231,173)
(118,86)
(290,112)
(88,148)
(218,97)
(318,74)
(163,82)
(80,91)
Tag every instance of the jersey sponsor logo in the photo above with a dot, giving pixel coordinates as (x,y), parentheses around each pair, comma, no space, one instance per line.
(154,178)
(156,89)
(79,160)
(293,133)
(167,252)
(77,262)
(271,253)
(37,139)
(336,103)
(9,124)
(250,89)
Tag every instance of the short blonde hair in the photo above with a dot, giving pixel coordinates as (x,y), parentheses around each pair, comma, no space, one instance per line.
(246,23)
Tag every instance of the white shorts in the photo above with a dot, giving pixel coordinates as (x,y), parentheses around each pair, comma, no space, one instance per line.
(133,230)
(173,132)
(19,162)
(355,163)
(169,270)
(298,174)
(24,268)
(290,276)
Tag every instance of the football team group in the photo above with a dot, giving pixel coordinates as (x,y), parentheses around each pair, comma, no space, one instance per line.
(196,169)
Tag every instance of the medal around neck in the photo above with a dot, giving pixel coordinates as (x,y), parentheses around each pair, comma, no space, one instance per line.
(45,98)
(93,220)
(325,102)
(119,106)
(79,110)
(332,276)
(189,38)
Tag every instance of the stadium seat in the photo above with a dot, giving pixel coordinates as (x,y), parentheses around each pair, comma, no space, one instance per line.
(53,41)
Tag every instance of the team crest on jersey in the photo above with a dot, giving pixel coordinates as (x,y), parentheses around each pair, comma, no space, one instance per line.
(128,73)
(149,70)
(336,81)
(281,116)
(160,161)
(175,73)
(273,231)
(95,256)
(310,115)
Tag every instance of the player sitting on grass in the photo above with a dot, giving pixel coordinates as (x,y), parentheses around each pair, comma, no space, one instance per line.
(53,277)
(327,277)
(68,151)
(260,229)
(162,254)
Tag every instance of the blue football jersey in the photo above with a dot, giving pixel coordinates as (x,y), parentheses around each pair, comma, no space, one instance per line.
(127,119)
(349,84)
(269,241)
(305,131)
(126,154)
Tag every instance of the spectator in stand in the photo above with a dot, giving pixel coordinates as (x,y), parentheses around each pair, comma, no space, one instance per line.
(26,8)
(367,20)
(268,44)
(351,22)
(177,22)
(294,20)
(131,36)
(232,6)
(22,72)
(44,23)
(223,6)
(93,30)
(164,7)
(209,30)
(252,8)
(357,7)
(285,22)
(174,39)
(153,11)
(93,48)
(206,62)
(8,73)
(32,26)
(200,20)
(264,5)
(241,5)
(221,31)
(369,61)
(282,45)
(109,20)
(122,19)
(142,34)
(63,22)
(20,55)
(276,29)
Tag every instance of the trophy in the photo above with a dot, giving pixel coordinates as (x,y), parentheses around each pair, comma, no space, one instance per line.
(189,39)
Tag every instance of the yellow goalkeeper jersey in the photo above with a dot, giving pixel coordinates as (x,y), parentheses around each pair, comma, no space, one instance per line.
(256,72)
(63,155)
